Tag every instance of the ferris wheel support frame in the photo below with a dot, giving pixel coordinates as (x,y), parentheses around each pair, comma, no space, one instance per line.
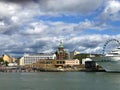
(107,42)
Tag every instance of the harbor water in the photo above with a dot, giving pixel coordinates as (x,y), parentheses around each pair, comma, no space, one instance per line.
(60,81)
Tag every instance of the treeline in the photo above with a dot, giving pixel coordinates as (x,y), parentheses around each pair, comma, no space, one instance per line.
(82,56)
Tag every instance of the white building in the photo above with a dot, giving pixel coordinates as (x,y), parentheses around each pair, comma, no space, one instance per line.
(28,59)
(86,59)
(12,64)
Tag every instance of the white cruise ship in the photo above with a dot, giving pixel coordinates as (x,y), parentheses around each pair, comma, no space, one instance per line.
(110,62)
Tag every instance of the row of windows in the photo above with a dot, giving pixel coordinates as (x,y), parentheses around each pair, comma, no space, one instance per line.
(63,62)
(72,62)
(38,58)
(30,61)
(60,62)
(104,61)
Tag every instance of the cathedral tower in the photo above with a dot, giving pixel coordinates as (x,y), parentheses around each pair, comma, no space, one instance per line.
(61,53)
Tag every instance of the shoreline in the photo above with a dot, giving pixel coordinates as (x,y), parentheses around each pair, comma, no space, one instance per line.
(10,69)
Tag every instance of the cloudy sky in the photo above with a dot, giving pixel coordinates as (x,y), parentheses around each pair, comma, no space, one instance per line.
(36,26)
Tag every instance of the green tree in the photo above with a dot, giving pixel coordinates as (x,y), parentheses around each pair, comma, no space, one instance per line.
(6,63)
(1,61)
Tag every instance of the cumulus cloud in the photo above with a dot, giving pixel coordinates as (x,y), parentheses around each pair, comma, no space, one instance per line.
(20,44)
(14,14)
(61,6)
(70,6)
(60,29)
(45,36)
(22,30)
(111,10)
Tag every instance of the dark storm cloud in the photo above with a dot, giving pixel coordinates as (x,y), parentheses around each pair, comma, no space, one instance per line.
(62,6)
(8,26)
(39,44)
(5,20)
(19,1)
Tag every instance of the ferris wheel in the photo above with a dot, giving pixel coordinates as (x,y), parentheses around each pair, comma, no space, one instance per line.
(110,44)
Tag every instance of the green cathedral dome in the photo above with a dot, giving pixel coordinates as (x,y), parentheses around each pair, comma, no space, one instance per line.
(60,45)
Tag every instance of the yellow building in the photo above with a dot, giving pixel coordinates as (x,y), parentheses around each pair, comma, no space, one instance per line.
(8,58)
(76,52)
(21,62)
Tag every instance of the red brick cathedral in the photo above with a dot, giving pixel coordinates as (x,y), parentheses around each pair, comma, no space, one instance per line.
(61,53)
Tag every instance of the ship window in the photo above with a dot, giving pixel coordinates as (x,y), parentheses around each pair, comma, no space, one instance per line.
(115,53)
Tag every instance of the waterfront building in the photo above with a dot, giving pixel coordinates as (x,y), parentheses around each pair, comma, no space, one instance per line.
(90,65)
(28,59)
(72,62)
(12,64)
(85,60)
(56,63)
(66,62)
(61,54)
(7,58)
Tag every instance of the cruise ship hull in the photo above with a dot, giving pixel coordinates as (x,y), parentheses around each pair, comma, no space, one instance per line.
(109,63)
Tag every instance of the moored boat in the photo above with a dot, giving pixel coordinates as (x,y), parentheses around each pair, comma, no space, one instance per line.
(110,62)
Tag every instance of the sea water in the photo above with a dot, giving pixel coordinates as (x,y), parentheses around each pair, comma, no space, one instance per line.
(60,81)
